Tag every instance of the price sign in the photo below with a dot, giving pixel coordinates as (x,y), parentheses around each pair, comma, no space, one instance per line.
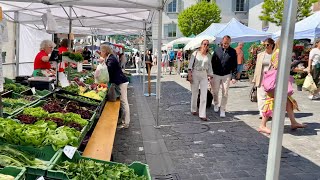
(69,151)
(33,90)
(63,80)
(41,178)
(52,85)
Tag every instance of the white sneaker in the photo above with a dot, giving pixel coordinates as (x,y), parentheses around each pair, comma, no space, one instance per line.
(216,108)
(222,113)
(314,97)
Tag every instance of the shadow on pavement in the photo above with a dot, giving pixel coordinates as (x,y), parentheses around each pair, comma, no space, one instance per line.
(228,149)
(310,130)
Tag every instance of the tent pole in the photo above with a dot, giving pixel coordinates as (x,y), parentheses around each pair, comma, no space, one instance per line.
(159,65)
(275,144)
(17,36)
(144,59)
(1,81)
(92,59)
(69,38)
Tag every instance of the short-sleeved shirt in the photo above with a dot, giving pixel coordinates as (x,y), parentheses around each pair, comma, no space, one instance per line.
(171,55)
(62,49)
(315,56)
(38,63)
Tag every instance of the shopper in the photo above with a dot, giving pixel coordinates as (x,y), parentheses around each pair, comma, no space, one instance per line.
(224,65)
(41,62)
(164,58)
(148,61)
(63,48)
(117,77)
(269,102)
(262,65)
(240,59)
(123,60)
(314,68)
(171,60)
(138,63)
(179,60)
(86,54)
(199,70)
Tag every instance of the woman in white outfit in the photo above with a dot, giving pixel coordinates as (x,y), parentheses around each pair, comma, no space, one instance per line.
(262,65)
(199,70)
(138,63)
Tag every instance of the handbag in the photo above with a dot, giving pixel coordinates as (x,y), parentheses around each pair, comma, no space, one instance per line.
(269,82)
(309,84)
(253,94)
(192,65)
(113,93)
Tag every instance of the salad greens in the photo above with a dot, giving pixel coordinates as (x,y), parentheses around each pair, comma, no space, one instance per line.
(12,157)
(88,169)
(37,112)
(40,134)
(81,98)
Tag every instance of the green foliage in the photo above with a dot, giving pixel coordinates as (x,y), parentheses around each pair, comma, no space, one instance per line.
(198,17)
(272,10)
(74,56)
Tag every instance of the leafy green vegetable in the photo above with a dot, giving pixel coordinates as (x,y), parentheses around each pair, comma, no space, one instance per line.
(81,98)
(37,112)
(89,81)
(72,88)
(14,87)
(88,169)
(63,136)
(70,117)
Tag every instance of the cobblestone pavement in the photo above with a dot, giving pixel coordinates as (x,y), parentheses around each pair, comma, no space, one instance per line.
(225,148)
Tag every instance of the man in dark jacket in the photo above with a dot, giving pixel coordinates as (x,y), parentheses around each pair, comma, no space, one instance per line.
(224,66)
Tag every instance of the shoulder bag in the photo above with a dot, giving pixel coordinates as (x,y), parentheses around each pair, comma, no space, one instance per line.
(192,65)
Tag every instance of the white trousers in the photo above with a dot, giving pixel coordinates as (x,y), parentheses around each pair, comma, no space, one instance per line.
(138,66)
(218,81)
(124,102)
(199,78)
(179,64)
(261,97)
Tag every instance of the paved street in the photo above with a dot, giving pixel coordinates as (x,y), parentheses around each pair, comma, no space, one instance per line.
(222,148)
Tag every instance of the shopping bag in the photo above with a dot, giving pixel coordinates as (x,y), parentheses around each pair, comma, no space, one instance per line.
(101,75)
(269,82)
(113,92)
(309,84)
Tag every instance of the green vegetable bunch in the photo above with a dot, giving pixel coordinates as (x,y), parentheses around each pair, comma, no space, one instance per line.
(12,157)
(88,169)
(14,87)
(72,88)
(81,98)
(70,117)
(74,56)
(10,105)
(89,81)
(37,112)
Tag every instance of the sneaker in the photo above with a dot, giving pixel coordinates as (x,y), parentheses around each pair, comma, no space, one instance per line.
(216,108)
(121,126)
(314,97)
(222,114)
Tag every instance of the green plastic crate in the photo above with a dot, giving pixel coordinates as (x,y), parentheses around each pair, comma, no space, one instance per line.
(139,168)
(17,173)
(46,154)
(40,93)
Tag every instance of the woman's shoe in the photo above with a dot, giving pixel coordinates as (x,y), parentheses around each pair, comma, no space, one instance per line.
(298,125)
(194,113)
(204,119)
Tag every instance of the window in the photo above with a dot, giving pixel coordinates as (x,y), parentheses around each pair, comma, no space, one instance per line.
(172,6)
(170,30)
(240,5)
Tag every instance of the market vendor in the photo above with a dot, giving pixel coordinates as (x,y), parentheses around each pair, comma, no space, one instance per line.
(41,62)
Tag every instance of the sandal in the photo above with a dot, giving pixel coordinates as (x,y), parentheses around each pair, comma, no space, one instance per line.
(297,126)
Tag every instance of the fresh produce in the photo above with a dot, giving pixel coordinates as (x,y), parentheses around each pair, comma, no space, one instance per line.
(26,119)
(89,81)
(88,169)
(6,177)
(39,134)
(37,112)
(69,117)
(18,88)
(80,83)
(84,99)
(11,105)
(53,107)
(12,157)
(72,89)
(74,56)
(92,94)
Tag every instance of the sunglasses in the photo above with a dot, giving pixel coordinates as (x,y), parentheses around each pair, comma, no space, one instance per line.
(205,44)
(267,45)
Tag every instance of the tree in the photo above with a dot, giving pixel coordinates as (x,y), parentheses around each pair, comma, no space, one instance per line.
(272,10)
(198,17)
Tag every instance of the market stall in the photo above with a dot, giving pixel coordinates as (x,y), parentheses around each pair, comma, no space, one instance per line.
(53,127)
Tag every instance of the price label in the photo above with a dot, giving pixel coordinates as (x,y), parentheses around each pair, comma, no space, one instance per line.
(33,90)
(69,151)
(52,85)
(81,79)
(41,178)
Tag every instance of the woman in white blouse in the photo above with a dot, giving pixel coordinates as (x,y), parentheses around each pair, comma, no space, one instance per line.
(262,65)
(198,72)
(314,68)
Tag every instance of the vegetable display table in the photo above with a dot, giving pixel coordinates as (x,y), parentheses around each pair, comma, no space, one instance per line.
(101,141)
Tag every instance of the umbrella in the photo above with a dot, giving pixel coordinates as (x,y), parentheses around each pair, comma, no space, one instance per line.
(196,42)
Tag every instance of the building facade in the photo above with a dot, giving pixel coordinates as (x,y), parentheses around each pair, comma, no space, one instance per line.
(229,9)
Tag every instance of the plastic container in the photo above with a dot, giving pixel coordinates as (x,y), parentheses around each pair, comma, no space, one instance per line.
(46,154)
(17,173)
(61,91)
(139,168)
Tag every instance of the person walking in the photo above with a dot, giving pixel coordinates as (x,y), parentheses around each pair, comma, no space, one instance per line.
(117,77)
(171,60)
(148,61)
(138,63)
(314,68)
(199,70)
(224,65)
(262,65)
(164,58)
(179,60)
(240,59)
(269,102)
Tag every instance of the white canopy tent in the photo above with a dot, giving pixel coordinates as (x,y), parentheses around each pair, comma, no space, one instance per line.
(182,40)
(196,42)
(308,28)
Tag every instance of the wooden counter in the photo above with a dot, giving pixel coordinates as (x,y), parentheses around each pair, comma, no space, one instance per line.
(100,144)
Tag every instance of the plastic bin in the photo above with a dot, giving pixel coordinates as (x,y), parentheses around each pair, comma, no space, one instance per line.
(139,168)
(17,173)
